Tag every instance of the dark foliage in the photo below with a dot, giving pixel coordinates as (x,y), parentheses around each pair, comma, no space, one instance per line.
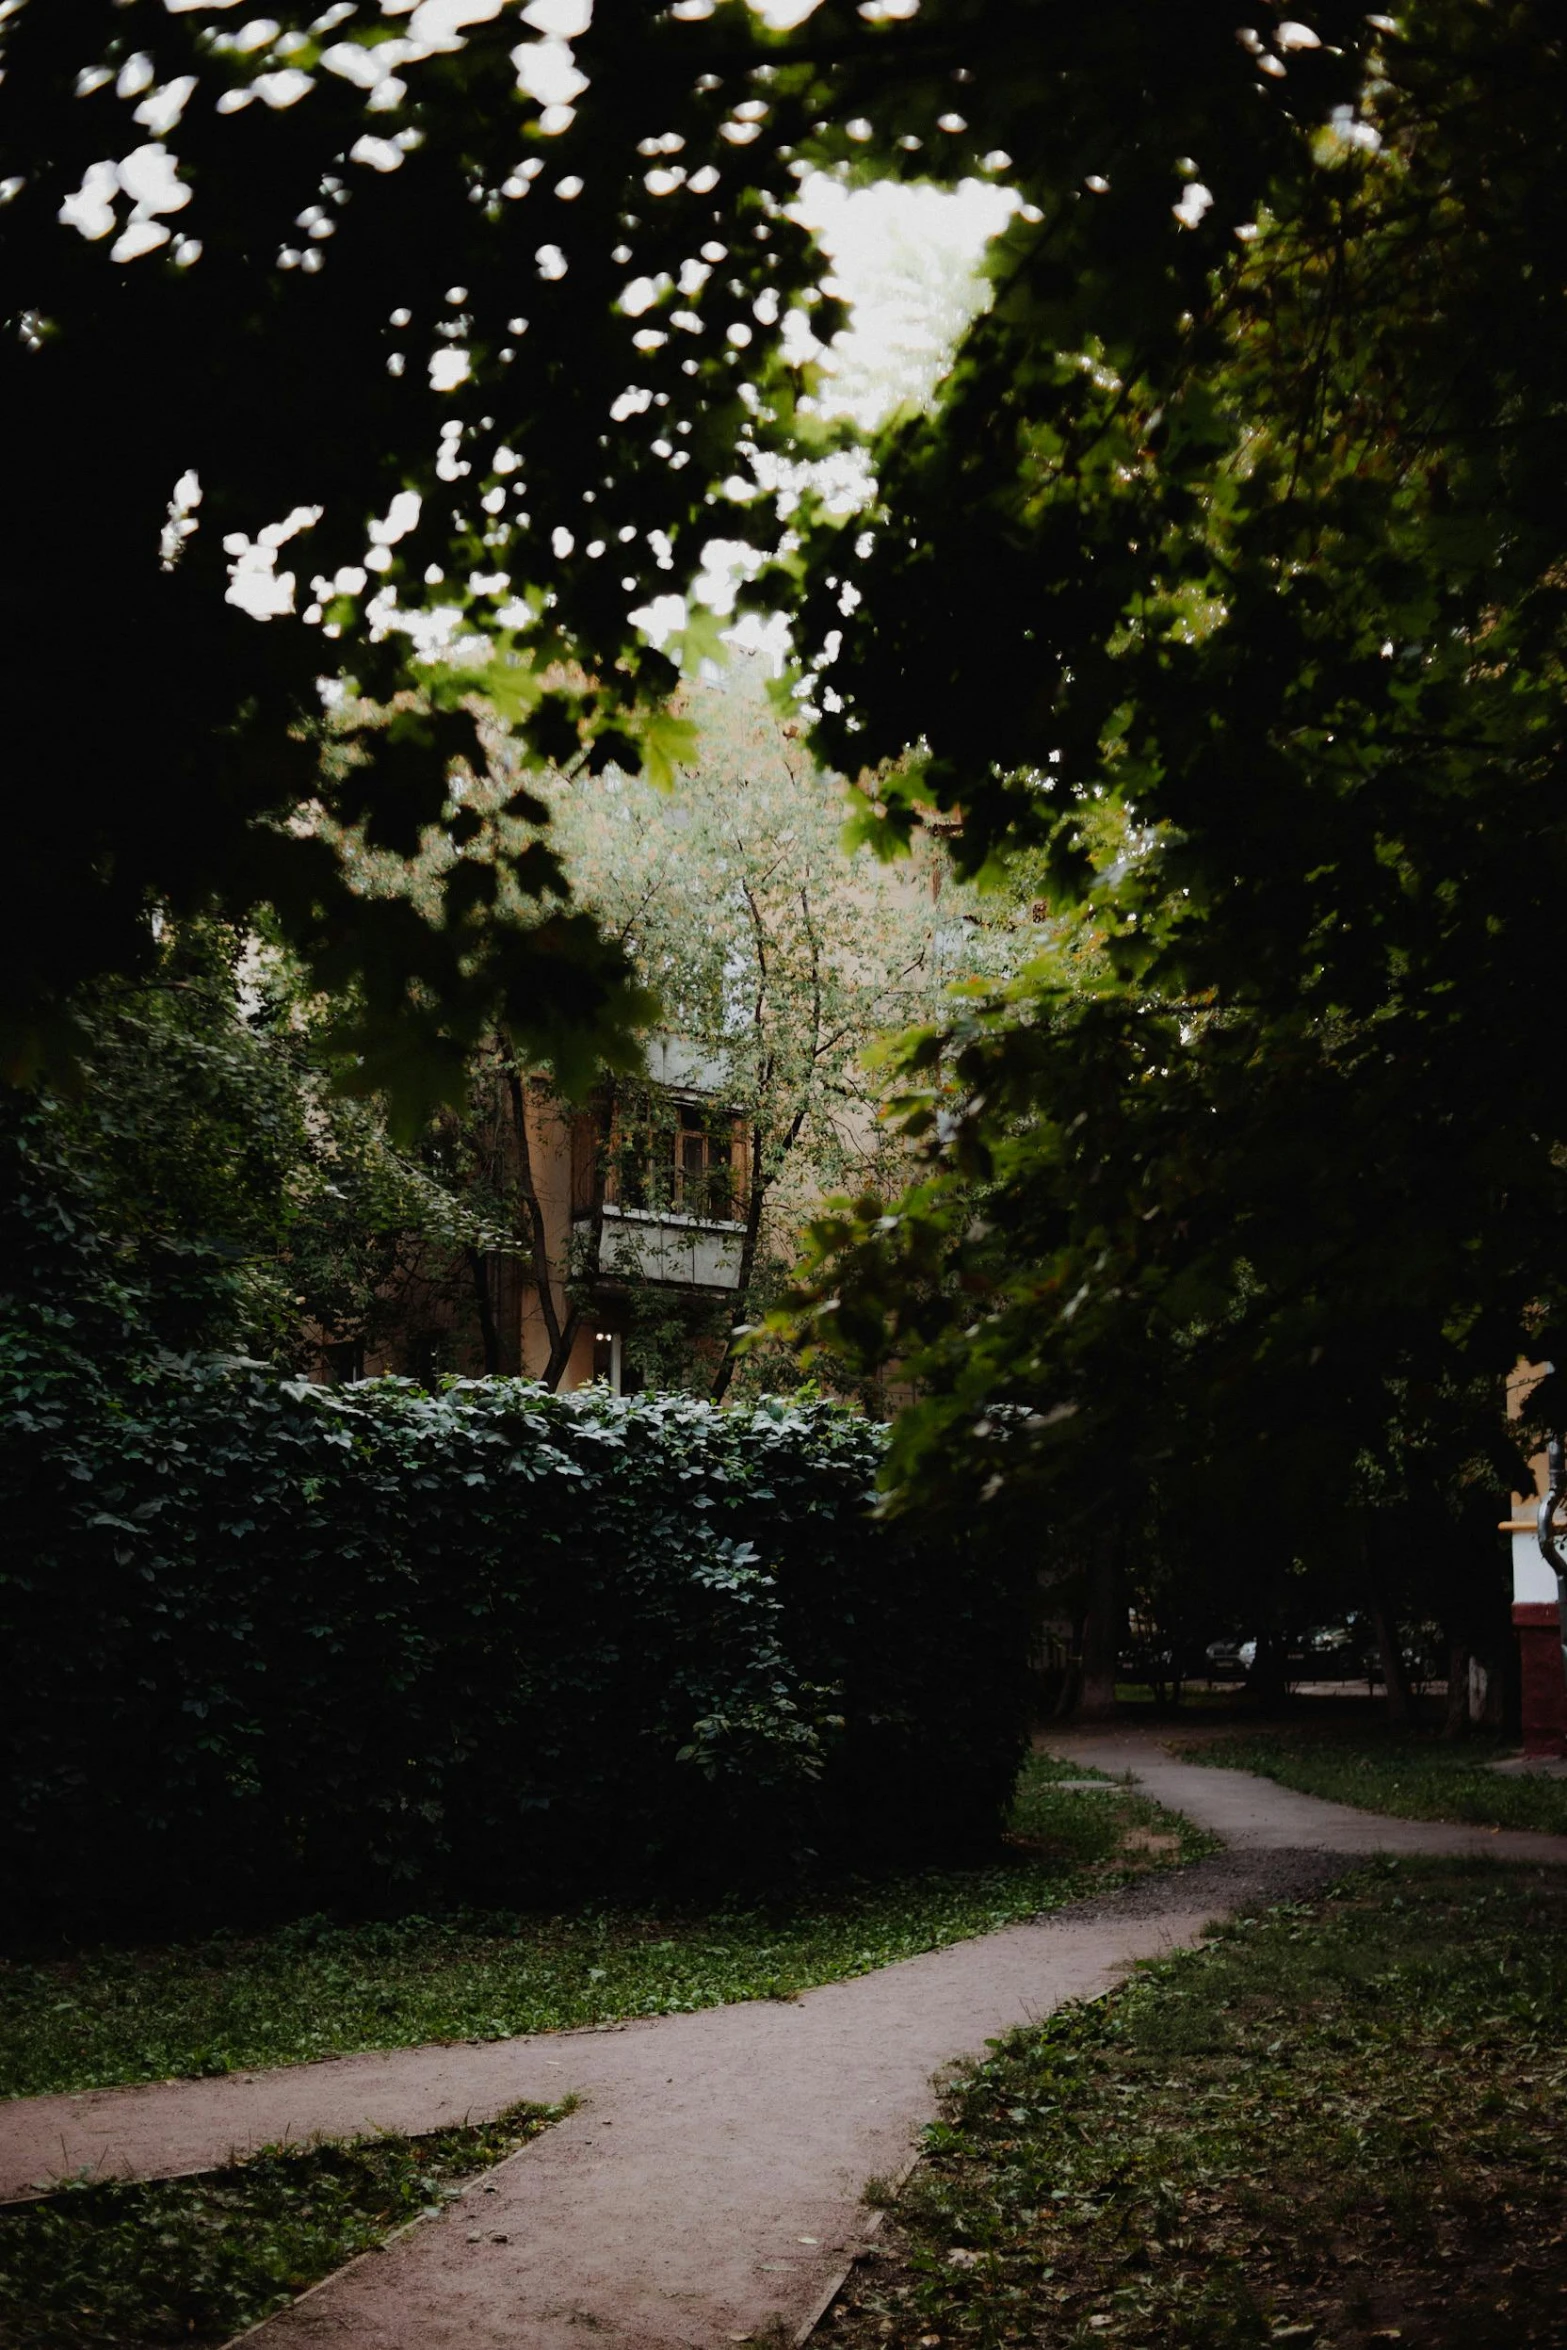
(202,1187)
(272,1645)
(268,322)
(1250,516)
(276,347)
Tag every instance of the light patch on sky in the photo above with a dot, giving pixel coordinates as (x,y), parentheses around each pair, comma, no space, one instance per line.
(782,15)
(905,258)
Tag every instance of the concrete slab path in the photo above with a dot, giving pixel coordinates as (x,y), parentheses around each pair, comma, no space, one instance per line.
(708,2187)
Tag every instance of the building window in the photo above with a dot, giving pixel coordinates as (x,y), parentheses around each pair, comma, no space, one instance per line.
(667,1155)
(704,1162)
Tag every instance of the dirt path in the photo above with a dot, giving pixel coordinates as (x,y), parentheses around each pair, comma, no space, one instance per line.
(708,2187)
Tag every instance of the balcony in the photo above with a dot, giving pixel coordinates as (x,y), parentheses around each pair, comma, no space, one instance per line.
(659,1244)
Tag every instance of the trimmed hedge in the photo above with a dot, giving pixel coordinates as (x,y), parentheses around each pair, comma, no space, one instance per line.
(272,1646)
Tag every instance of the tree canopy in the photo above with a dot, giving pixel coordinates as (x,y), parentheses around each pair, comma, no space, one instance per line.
(203,1189)
(1223,579)
(1266,564)
(506,296)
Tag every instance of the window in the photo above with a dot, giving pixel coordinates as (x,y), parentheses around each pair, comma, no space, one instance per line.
(704,1162)
(668,1155)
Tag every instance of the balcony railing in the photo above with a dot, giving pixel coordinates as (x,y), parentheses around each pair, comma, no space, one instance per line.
(659,1244)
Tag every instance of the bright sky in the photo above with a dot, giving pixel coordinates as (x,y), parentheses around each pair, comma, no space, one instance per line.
(905,258)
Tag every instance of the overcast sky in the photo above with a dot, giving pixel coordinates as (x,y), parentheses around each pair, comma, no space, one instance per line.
(906,259)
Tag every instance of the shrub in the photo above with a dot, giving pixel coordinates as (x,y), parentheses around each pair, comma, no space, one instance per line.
(273,1646)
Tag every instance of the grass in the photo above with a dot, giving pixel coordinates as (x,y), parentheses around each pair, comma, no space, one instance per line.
(317,1988)
(1412,1776)
(120,2267)
(1209,1697)
(1333,2126)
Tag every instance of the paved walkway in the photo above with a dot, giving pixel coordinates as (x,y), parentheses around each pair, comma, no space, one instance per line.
(1256,1815)
(708,2186)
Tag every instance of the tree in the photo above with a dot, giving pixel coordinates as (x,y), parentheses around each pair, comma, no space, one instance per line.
(254,273)
(780,959)
(203,1188)
(1242,508)
(1264,534)
(776,963)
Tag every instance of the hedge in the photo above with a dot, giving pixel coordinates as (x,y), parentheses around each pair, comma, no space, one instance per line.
(270,1645)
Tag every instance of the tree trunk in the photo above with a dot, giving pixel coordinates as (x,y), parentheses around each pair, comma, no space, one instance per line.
(488,1333)
(1268,1680)
(560,1352)
(1456,1720)
(755,1198)
(1104,1629)
(1395,1673)
(559,1329)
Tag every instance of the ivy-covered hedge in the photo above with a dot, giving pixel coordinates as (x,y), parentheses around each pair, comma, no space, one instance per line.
(268,1645)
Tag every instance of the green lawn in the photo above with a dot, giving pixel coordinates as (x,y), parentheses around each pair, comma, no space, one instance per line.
(1413,1776)
(1334,2126)
(316,1988)
(194,2260)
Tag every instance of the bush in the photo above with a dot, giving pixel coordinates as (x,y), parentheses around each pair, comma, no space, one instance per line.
(273,1646)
